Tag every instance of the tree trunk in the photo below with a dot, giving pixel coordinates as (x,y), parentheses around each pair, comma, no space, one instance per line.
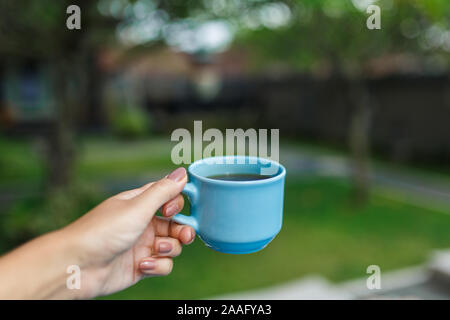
(359,140)
(61,137)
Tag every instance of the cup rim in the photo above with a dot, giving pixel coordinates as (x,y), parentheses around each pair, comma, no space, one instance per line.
(277,177)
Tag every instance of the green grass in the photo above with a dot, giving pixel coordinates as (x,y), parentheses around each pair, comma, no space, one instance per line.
(107,157)
(110,158)
(322,234)
(19,161)
(97,159)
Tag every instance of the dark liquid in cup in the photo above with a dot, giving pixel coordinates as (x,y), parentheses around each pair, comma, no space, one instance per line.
(239,177)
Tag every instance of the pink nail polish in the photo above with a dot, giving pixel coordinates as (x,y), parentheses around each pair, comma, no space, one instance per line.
(192,236)
(172,209)
(177,175)
(165,247)
(147,265)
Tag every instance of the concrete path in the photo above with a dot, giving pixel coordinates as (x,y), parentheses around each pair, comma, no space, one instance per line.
(431,281)
(426,190)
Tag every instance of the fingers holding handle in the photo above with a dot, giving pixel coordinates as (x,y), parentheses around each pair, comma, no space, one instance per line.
(192,193)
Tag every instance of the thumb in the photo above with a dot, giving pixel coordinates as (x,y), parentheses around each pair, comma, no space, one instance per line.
(161,191)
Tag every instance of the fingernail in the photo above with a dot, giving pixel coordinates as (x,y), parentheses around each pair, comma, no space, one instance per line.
(192,236)
(177,175)
(172,209)
(147,265)
(165,247)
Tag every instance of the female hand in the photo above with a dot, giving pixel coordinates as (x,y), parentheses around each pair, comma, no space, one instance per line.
(115,245)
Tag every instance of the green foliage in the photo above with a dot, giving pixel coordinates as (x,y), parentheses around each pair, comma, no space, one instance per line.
(37,215)
(130,122)
(18,161)
(37,29)
(326,32)
(317,30)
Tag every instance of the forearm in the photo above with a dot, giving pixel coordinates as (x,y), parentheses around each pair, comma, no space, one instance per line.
(38,269)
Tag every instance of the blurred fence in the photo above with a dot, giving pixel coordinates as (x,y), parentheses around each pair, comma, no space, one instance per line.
(409,117)
(409,120)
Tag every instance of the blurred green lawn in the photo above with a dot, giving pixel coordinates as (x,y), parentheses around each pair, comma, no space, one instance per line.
(322,232)
(97,158)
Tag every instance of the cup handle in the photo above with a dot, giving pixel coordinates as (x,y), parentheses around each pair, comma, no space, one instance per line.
(191,191)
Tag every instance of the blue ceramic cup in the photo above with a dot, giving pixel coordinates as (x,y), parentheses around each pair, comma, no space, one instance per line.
(235,216)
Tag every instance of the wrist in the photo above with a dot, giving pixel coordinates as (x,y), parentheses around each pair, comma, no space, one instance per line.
(80,253)
(75,274)
(62,261)
(69,264)
(38,269)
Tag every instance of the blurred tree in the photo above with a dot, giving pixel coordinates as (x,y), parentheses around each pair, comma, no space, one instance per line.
(36,30)
(308,35)
(325,35)
(332,35)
